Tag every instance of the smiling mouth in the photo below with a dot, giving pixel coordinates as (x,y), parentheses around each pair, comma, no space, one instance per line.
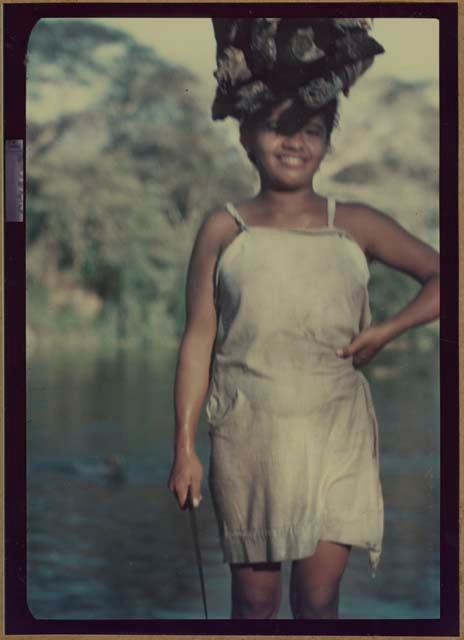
(291,161)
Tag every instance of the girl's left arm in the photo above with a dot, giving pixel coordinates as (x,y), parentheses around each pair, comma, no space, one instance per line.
(387,241)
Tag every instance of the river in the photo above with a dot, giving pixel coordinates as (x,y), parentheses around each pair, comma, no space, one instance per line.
(106,539)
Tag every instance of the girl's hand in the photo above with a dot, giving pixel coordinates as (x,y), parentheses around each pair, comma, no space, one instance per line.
(364,346)
(186,470)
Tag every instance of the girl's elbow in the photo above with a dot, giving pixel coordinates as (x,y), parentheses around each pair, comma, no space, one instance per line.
(434,276)
(432,273)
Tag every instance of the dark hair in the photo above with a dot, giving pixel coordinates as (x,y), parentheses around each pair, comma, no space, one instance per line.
(292,119)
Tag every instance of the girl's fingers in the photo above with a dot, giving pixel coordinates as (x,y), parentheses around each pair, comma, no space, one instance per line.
(345,352)
(196,493)
(180,493)
(196,497)
(182,497)
(180,489)
(353,348)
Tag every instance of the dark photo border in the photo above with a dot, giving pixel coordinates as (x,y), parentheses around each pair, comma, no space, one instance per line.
(18,21)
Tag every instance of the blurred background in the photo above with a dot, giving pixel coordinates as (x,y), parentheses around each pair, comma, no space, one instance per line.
(123,162)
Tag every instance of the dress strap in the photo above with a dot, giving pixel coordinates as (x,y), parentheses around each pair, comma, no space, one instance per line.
(331,204)
(235,214)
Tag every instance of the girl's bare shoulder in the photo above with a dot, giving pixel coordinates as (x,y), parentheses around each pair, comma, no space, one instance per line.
(360,213)
(362,221)
(385,239)
(217,229)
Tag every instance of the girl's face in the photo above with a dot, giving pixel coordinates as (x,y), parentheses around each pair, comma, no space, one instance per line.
(290,161)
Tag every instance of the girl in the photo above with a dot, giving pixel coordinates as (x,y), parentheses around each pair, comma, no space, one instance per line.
(278,325)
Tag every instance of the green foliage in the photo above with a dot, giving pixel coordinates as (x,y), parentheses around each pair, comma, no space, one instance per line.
(117,191)
(69,47)
(389,291)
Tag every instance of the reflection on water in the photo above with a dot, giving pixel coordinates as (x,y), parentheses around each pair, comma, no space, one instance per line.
(106,540)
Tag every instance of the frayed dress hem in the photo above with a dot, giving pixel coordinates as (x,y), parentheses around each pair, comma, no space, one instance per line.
(284,545)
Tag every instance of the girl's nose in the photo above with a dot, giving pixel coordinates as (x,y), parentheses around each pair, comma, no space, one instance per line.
(294,140)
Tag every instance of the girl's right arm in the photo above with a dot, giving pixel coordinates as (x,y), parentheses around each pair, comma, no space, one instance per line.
(193,366)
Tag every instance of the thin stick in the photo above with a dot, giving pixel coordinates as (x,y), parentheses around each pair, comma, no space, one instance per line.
(196,542)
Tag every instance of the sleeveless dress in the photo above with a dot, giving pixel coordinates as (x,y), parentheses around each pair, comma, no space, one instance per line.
(294,435)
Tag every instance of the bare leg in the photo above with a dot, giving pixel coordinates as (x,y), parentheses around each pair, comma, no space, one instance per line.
(315,582)
(256,590)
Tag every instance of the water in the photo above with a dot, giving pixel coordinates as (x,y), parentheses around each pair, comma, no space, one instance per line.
(108,545)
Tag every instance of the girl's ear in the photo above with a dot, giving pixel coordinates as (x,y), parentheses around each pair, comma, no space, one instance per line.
(245,140)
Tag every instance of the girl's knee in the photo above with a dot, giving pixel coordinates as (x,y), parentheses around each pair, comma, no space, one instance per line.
(255,601)
(319,603)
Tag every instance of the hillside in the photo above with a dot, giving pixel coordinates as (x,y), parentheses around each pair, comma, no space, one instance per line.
(122,165)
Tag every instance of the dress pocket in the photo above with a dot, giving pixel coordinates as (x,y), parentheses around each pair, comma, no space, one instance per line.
(221,406)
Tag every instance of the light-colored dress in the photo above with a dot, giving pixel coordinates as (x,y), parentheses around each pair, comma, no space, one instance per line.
(294,435)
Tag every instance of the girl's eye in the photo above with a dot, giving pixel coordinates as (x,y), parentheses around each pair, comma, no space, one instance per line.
(271,126)
(313,132)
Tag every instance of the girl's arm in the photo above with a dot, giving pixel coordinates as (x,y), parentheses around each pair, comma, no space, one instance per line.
(385,240)
(192,373)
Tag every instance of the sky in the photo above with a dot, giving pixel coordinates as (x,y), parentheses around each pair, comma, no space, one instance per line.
(190,41)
